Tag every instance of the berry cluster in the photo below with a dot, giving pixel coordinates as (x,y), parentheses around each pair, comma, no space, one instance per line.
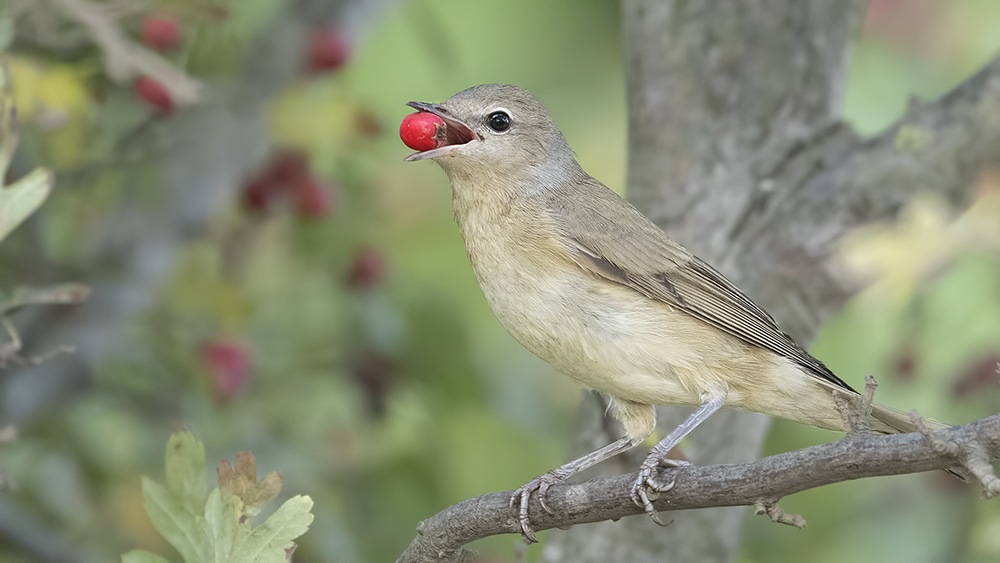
(327,50)
(287,175)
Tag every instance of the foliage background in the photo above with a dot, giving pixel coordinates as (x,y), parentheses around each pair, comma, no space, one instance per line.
(390,402)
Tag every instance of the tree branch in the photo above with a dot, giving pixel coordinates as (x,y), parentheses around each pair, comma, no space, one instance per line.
(806,200)
(759,483)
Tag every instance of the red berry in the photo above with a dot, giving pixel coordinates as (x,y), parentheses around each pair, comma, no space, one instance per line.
(154,93)
(981,375)
(328,49)
(419,130)
(160,33)
(229,367)
(258,193)
(288,167)
(367,268)
(313,199)
(905,363)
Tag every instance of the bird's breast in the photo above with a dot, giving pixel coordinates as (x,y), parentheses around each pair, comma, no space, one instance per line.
(601,335)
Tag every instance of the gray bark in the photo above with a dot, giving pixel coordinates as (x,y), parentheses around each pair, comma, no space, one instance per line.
(757,483)
(736,149)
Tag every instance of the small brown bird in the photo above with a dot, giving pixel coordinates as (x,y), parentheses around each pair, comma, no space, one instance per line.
(587,283)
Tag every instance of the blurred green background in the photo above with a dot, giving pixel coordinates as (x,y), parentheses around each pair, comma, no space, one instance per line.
(345,342)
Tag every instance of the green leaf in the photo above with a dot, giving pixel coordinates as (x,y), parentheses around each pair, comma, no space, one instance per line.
(143,556)
(22,198)
(222,515)
(187,479)
(179,526)
(268,542)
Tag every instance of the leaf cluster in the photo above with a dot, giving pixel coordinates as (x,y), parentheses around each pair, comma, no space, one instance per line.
(217,526)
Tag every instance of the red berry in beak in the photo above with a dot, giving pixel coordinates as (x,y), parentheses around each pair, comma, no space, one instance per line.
(419,131)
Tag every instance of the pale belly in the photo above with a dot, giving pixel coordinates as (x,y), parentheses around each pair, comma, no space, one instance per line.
(603,337)
(613,340)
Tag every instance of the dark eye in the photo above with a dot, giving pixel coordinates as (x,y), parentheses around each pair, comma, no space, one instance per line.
(498,121)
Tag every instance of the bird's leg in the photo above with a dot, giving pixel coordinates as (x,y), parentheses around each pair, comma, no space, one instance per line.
(558,475)
(658,455)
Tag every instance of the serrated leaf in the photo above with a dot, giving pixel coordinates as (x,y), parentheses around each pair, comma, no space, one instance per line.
(22,198)
(268,542)
(263,491)
(143,556)
(222,515)
(186,474)
(178,525)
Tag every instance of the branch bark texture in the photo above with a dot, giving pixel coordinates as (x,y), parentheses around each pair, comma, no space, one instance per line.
(747,484)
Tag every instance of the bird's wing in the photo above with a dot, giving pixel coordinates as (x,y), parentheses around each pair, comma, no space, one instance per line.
(623,246)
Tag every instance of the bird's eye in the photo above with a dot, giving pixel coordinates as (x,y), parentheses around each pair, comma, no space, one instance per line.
(498,121)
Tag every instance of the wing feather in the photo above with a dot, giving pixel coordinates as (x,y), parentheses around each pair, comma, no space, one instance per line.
(623,246)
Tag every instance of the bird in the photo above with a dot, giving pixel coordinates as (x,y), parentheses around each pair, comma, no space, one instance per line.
(587,283)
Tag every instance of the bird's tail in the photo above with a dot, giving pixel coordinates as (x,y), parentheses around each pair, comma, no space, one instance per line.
(887,420)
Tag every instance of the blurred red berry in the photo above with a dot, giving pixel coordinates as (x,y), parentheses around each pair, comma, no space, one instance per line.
(328,49)
(160,33)
(368,268)
(906,25)
(154,93)
(313,199)
(229,367)
(979,375)
(258,194)
(218,13)
(288,167)
(904,365)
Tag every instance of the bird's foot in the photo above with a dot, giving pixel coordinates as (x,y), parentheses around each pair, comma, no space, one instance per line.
(645,486)
(522,495)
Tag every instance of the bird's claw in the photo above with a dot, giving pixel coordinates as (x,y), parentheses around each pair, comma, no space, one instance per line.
(521,497)
(645,484)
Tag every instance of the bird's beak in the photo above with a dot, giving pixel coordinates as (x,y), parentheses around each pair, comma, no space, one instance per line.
(455,133)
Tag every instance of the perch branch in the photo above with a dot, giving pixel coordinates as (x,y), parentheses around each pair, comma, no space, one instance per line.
(759,483)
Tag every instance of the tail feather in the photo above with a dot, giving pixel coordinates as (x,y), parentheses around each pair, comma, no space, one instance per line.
(887,420)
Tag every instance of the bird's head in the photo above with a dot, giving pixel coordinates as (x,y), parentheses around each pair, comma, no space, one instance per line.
(497,128)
